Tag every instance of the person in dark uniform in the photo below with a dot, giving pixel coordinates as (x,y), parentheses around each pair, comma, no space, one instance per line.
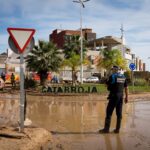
(13,80)
(116,85)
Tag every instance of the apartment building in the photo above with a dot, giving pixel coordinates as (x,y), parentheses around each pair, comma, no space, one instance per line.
(9,61)
(94,46)
(59,36)
(111,42)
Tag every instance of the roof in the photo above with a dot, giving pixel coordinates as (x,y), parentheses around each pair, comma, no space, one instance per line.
(107,40)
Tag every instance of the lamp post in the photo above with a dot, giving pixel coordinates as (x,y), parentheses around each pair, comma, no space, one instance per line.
(148,58)
(81,35)
(149,73)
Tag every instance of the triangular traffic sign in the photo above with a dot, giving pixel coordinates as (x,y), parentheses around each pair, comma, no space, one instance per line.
(21,37)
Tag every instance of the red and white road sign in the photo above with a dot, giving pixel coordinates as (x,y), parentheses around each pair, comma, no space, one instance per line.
(21,37)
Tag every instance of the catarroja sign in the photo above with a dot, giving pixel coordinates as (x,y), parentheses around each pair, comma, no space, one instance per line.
(70,89)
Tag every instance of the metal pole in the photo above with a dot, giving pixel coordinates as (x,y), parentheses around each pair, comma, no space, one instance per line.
(81,34)
(81,50)
(149,68)
(132,73)
(22,94)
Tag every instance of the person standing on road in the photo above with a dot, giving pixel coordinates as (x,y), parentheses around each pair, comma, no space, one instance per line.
(13,80)
(116,84)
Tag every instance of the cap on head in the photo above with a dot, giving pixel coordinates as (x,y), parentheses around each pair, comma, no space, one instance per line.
(116,67)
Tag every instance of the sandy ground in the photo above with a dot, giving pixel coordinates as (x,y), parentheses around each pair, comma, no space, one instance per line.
(133,136)
(30,139)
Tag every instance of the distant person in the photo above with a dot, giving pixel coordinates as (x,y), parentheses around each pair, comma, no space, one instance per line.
(3,76)
(13,83)
(1,84)
(54,79)
(116,85)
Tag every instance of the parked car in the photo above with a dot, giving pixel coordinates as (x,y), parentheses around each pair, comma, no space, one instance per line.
(92,79)
(83,79)
(69,79)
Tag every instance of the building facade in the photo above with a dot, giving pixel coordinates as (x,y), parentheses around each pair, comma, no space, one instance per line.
(110,42)
(60,36)
(10,61)
(94,46)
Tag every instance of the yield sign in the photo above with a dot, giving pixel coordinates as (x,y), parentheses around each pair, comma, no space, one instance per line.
(21,37)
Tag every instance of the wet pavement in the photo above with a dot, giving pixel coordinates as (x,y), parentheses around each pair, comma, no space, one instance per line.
(75,122)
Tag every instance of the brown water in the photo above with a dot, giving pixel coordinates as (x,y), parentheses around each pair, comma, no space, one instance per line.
(9,108)
(73,116)
(76,120)
(75,124)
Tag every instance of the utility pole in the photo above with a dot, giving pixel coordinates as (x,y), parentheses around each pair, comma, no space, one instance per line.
(148,58)
(81,2)
(122,32)
(122,40)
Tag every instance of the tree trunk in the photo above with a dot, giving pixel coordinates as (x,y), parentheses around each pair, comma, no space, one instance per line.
(43,78)
(72,77)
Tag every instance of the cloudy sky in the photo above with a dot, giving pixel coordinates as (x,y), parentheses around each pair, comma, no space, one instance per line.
(103,16)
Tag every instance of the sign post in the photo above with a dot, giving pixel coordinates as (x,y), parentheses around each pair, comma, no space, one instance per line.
(22,94)
(132,67)
(21,38)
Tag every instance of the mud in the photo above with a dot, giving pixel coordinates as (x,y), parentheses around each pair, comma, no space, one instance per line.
(75,121)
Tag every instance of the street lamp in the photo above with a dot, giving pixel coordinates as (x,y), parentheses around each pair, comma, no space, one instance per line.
(148,58)
(81,35)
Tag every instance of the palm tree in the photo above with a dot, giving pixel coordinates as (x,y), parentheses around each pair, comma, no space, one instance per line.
(73,62)
(110,58)
(72,54)
(72,46)
(43,58)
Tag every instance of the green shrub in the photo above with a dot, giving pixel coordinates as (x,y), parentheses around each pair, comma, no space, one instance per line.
(30,83)
(140,82)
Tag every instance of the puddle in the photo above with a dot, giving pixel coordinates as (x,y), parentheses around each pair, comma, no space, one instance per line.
(76,120)
(73,116)
(75,124)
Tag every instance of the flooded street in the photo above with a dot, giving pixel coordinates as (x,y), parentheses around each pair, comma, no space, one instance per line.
(75,124)
(9,108)
(75,120)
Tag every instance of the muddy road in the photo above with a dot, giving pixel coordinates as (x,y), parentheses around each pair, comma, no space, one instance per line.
(75,121)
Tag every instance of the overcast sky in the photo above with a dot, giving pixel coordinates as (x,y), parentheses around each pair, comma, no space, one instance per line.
(103,16)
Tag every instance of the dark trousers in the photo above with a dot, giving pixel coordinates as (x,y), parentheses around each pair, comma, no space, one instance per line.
(115,101)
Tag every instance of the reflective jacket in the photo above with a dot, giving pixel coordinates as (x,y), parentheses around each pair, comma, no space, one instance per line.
(116,83)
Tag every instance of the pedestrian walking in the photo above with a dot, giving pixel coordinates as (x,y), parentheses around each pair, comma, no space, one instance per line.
(116,85)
